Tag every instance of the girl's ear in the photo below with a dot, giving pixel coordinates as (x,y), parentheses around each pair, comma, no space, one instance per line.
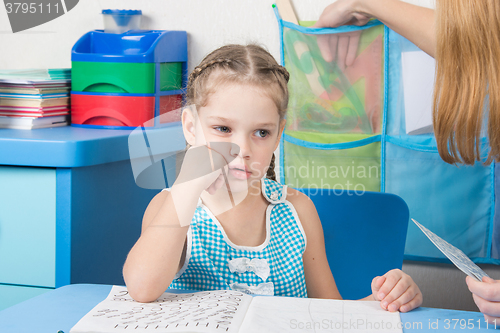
(188,120)
(280,133)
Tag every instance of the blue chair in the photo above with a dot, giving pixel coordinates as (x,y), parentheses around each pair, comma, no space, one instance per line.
(365,236)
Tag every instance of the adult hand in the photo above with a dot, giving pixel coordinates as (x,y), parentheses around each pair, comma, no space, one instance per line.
(340,47)
(486,295)
(342,12)
(396,290)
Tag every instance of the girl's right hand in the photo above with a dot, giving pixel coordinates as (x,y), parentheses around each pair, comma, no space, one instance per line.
(202,169)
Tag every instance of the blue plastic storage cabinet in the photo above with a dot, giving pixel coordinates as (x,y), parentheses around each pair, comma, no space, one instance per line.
(127,80)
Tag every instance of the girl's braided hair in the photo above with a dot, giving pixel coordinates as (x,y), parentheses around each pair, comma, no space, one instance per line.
(243,64)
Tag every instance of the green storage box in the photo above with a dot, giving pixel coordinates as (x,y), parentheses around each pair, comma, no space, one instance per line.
(124,77)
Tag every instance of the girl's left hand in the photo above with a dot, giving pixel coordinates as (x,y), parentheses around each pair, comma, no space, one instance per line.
(396,291)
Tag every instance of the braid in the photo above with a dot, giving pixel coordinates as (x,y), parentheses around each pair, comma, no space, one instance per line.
(282,70)
(270,171)
(198,69)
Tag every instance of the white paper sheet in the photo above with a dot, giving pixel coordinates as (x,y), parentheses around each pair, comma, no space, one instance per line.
(457,257)
(230,311)
(283,314)
(418,85)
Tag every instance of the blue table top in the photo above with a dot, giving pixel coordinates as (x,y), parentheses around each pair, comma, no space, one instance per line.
(68,146)
(62,308)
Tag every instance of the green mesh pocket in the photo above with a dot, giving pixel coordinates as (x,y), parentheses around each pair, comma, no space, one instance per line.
(328,96)
(342,169)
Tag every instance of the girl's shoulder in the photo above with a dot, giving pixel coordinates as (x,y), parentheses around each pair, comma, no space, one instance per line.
(276,193)
(307,214)
(301,202)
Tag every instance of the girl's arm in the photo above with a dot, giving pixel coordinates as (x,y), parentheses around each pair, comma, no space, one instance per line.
(319,279)
(395,290)
(156,257)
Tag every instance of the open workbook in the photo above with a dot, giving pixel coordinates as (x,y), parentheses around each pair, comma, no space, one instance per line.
(231,311)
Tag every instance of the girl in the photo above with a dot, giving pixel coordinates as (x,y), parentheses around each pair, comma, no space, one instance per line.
(268,239)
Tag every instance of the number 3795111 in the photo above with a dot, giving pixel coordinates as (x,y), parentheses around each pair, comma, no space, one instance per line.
(468,324)
(31,7)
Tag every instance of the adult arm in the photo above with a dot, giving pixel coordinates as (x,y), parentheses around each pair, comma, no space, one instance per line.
(413,22)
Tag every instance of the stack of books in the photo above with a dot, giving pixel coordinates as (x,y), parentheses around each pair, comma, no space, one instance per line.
(34,98)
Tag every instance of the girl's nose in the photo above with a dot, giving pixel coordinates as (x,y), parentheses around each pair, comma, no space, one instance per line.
(240,147)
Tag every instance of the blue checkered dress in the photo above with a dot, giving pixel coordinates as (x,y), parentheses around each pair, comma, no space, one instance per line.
(209,250)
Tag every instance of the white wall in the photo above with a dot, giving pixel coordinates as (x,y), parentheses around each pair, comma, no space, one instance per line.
(210,24)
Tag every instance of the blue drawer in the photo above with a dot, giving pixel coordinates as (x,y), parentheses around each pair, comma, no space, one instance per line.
(27,226)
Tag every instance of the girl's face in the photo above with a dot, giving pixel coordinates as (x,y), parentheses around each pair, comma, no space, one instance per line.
(246,117)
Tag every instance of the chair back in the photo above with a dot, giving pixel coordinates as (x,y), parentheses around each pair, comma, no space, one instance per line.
(365,235)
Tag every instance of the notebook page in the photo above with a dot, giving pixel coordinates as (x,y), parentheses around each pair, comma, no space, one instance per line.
(210,311)
(285,314)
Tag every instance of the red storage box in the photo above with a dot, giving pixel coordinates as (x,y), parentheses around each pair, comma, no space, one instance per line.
(122,111)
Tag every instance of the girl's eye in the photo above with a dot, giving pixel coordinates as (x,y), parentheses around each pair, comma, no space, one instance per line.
(223,129)
(262,133)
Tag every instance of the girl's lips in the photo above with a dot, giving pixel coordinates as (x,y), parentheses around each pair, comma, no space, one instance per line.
(239,172)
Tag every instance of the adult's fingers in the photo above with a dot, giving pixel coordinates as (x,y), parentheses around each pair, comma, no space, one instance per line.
(334,42)
(324,47)
(342,48)
(488,290)
(492,320)
(489,308)
(352,49)
(338,13)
